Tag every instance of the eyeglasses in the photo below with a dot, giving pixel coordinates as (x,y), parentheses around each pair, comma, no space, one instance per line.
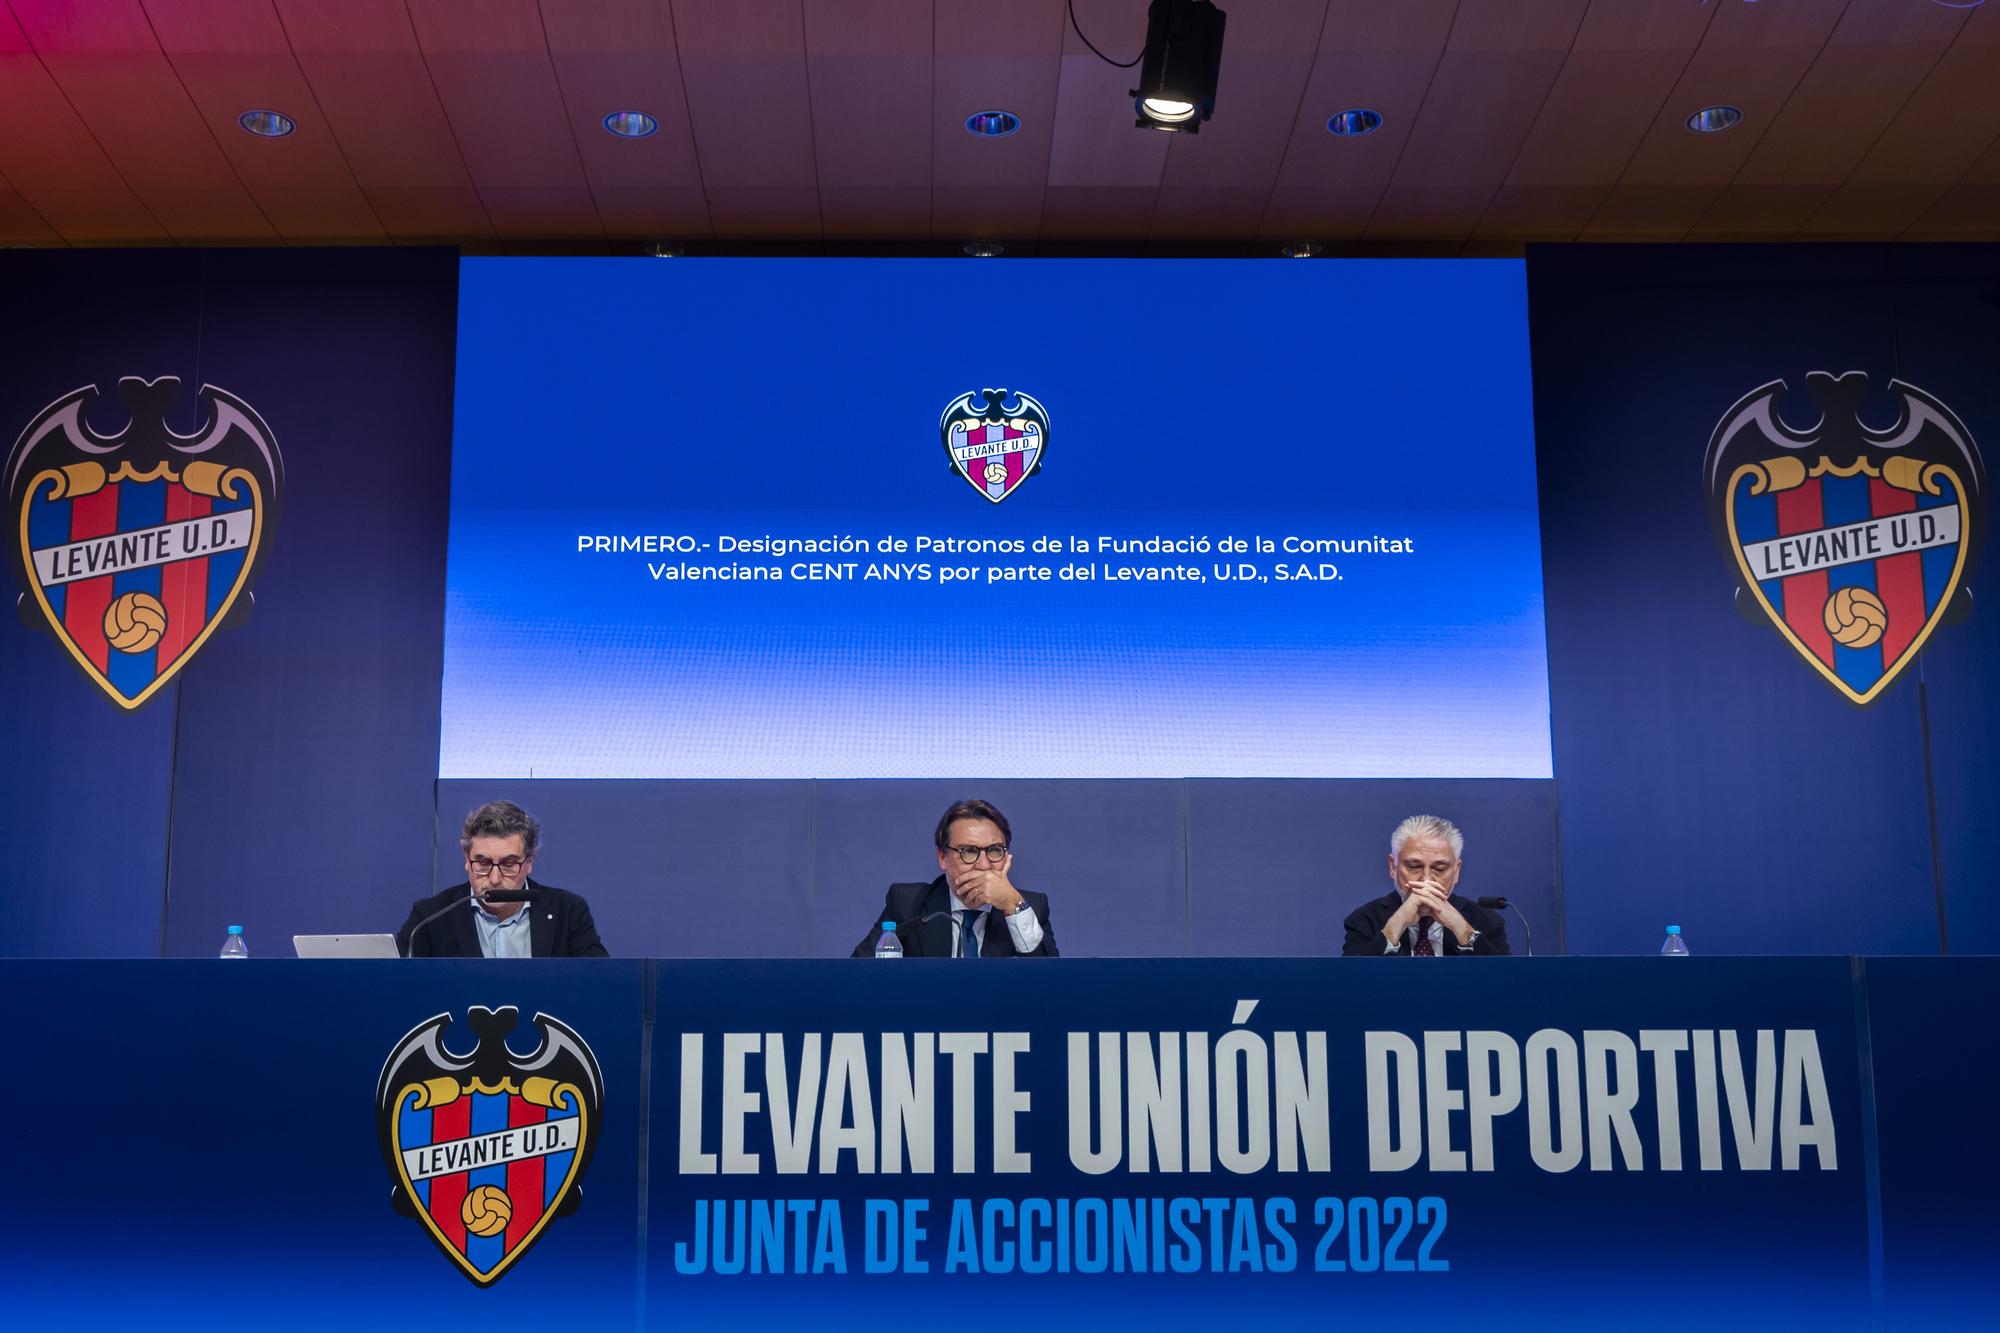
(995,855)
(481,867)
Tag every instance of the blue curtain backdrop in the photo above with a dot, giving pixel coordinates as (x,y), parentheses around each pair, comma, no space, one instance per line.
(284,781)
(1708,775)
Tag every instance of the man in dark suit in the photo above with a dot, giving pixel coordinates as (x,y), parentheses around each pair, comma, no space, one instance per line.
(972,909)
(1421,917)
(499,841)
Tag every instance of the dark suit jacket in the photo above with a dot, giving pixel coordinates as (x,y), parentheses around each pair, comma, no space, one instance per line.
(559,926)
(905,903)
(1364,930)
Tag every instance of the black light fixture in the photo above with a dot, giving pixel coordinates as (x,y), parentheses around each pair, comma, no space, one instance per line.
(1180,65)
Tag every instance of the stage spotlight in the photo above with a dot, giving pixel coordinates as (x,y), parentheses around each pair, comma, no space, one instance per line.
(1179,67)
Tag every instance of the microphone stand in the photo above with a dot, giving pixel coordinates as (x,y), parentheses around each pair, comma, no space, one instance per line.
(1527,933)
(491,896)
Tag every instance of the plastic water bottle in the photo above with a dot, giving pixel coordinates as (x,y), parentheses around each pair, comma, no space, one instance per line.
(1675,947)
(233,945)
(886,944)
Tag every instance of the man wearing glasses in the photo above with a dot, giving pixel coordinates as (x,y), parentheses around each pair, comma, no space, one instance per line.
(499,841)
(972,909)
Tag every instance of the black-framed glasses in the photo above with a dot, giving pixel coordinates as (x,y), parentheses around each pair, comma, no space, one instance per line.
(995,855)
(508,867)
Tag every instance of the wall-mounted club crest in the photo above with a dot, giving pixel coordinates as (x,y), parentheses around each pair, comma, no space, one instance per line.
(1856,542)
(134,548)
(995,440)
(487,1149)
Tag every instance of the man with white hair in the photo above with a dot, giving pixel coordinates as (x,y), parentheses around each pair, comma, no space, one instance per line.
(1421,917)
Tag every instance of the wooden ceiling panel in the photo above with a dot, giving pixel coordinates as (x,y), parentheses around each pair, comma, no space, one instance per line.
(490,63)
(993,58)
(1097,212)
(1967,211)
(744,64)
(1939,133)
(1875,60)
(463,120)
(112,71)
(1632,212)
(1499,64)
(621,55)
(1373,56)
(1540,212)
(1620,71)
(1208,212)
(1429,212)
(368,78)
(868,64)
(1104,172)
(1864,212)
(1759,212)
(20,224)
(995,212)
(1751,57)
(1963,213)
(232,56)
(50,160)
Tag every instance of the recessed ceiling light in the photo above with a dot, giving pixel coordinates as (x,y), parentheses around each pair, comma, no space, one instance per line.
(985,249)
(1714,119)
(1358,120)
(630,124)
(1300,250)
(992,124)
(267,124)
(665,250)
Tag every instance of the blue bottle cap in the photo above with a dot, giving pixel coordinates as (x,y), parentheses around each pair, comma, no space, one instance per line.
(1673,930)
(889,926)
(236,930)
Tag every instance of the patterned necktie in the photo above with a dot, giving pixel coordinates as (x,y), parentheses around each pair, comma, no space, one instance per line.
(968,940)
(1423,949)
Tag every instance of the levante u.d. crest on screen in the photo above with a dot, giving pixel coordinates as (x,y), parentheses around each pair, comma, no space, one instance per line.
(134,548)
(1855,541)
(487,1150)
(995,439)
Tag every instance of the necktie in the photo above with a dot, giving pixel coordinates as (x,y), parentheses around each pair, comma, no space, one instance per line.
(968,942)
(1423,949)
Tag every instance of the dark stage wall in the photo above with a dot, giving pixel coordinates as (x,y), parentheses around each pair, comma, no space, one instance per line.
(1706,774)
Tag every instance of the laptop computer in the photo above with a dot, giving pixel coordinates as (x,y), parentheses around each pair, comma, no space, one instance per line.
(345,946)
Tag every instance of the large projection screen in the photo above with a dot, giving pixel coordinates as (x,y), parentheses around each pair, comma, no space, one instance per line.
(744,518)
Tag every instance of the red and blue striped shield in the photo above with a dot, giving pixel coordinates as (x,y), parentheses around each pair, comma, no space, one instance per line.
(136,547)
(995,440)
(486,1150)
(1854,541)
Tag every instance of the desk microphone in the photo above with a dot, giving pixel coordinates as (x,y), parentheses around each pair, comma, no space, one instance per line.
(1501,905)
(508,896)
(492,896)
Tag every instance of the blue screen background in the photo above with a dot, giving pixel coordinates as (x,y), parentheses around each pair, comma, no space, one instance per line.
(800,398)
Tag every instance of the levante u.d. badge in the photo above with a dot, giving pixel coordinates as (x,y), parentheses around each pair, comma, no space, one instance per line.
(1855,542)
(487,1150)
(132,549)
